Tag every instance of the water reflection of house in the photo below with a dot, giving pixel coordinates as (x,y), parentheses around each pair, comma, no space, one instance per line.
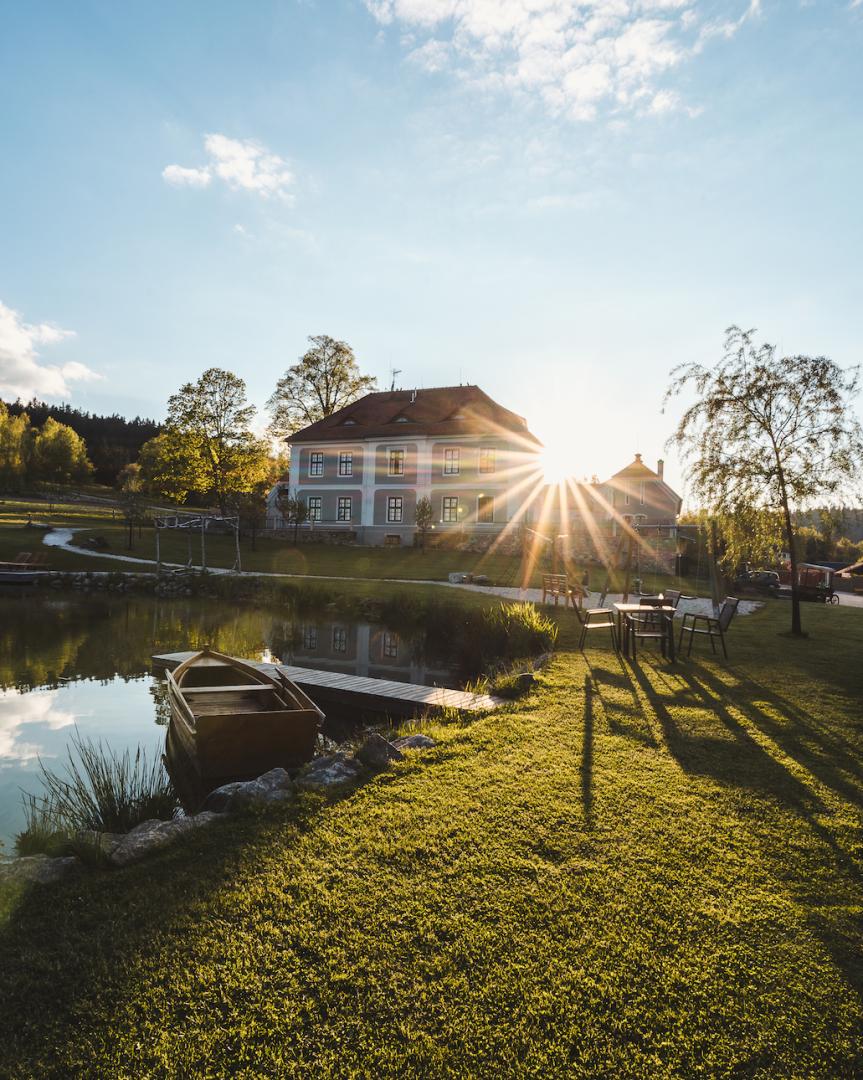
(365,650)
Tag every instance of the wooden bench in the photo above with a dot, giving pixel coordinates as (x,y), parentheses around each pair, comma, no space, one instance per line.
(557,587)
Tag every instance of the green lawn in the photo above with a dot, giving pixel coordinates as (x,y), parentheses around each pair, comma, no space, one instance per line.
(15,537)
(638,871)
(277,556)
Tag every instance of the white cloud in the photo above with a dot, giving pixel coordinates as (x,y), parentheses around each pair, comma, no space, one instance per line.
(432,56)
(180,177)
(17,711)
(577,57)
(243,164)
(22,374)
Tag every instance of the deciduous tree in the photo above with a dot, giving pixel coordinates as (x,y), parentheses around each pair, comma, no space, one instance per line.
(211,418)
(326,378)
(169,466)
(16,448)
(59,454)
(768,432)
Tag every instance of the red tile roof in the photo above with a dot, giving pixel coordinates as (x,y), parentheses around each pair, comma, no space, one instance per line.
(440,410)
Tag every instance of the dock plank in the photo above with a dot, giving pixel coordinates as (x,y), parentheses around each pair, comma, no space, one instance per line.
(361,691)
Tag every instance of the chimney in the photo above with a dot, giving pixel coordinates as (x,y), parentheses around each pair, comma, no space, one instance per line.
(638,458)
(660,465)
(413,396)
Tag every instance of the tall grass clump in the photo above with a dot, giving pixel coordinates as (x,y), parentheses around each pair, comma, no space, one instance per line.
(100,790)
(43,834)
(519,629)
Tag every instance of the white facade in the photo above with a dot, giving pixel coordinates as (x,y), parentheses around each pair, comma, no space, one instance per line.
(476,483)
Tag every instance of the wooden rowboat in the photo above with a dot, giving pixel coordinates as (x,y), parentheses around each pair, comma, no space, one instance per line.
(236,721)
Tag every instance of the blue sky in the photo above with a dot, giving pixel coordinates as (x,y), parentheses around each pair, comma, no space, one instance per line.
(559,201)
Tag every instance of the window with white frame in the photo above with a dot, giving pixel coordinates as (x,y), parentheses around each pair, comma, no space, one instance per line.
(485,509)
(310,637)
(642,493)
(449,510)
(487,459)
(340,639)
(316,463)
(451,461)
(344,508)
(346,464)
(391,645)
(626,499)
(395,509)
(396,463)
(314,508)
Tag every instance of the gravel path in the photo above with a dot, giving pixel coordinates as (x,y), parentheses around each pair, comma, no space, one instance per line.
(63,538)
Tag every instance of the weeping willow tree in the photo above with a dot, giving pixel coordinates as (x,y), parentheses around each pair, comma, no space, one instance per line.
(767,435)
(737,538)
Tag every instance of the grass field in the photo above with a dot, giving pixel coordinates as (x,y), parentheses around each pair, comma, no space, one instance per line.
(275,555)
(638,871)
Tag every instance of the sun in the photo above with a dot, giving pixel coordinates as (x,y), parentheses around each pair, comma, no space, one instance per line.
(557,462)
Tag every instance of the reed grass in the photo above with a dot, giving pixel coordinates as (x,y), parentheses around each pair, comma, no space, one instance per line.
(99,791)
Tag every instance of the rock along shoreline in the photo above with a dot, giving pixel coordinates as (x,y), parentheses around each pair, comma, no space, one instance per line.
(330,773)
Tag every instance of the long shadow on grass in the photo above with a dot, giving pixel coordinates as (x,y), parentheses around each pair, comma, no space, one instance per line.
(787,738)
(737,761)
(72,954)
(624,717)
(831,760)
(587,753)
(740,761)
(800,736)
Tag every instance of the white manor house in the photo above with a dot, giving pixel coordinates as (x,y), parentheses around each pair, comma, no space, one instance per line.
(362,470)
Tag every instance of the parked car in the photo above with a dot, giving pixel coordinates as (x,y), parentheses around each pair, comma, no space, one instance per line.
(765,582)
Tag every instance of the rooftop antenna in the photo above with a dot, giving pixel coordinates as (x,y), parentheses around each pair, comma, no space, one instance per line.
(395,371)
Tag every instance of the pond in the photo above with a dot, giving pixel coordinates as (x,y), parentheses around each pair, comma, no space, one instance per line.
(77,662)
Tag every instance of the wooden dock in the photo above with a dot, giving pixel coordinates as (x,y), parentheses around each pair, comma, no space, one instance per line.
(376,695)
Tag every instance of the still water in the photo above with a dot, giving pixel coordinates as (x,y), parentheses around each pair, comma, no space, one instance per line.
(82,663)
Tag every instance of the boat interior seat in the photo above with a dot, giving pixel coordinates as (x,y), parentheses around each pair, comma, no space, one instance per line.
(224,689)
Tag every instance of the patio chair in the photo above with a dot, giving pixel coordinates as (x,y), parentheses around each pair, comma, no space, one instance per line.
(713,626)
(672,597)
(597,618)
(652,628)
(646,626)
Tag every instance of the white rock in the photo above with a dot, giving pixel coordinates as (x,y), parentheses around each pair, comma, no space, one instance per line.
(330,772)
(414,742)
(152,835)
(273,787)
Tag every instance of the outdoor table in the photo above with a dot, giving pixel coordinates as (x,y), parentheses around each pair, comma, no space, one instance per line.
(667,613)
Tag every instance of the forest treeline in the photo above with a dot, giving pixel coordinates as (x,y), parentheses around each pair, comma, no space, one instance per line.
(111,441)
